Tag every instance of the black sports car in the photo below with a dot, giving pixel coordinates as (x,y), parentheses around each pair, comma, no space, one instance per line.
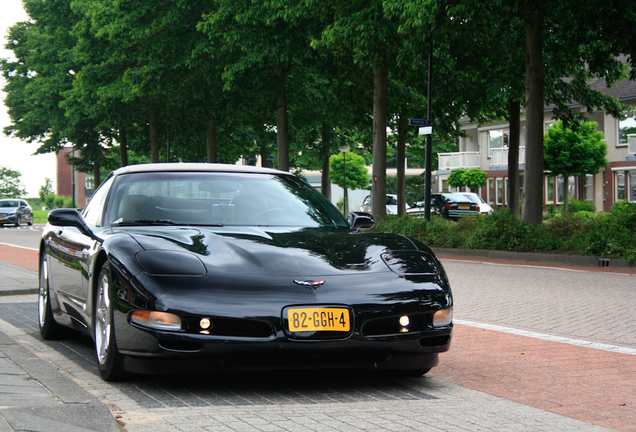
(205,267)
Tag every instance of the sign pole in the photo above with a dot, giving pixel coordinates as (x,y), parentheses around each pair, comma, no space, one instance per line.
(429,138)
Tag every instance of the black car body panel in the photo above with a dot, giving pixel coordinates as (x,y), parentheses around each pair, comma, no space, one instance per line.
(243,279)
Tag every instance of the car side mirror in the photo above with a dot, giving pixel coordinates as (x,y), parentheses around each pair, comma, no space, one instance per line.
(70,217)
(360,220)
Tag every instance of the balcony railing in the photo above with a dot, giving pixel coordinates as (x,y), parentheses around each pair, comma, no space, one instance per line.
(499,157)
(449,161)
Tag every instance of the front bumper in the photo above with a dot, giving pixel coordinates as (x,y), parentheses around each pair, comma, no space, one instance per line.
(8,219)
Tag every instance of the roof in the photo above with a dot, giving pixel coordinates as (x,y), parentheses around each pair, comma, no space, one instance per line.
(201,167)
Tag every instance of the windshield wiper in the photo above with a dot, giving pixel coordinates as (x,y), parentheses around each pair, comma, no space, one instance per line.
(147,222)
(161,222)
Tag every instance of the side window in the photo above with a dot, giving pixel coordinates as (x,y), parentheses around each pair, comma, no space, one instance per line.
(95,208)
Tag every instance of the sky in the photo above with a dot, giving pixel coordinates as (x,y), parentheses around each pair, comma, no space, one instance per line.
(16,154)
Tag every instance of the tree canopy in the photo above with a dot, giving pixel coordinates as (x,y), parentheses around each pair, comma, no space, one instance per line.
(574,151)
(10,184)
(291,81)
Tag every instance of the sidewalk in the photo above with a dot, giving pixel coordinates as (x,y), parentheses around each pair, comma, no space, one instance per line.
(34,395)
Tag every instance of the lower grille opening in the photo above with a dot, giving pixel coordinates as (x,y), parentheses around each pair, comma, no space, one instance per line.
(391,325)
(435,341)
(230,327)
(180,346)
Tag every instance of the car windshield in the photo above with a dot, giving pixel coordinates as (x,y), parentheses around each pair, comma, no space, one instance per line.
(9,204)
(474,198)
(450,197)
(218,199)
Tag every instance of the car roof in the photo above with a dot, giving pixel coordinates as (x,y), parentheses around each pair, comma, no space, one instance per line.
(200,167)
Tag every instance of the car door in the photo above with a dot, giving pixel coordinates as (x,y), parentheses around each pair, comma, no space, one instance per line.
(70,254)
(68,250)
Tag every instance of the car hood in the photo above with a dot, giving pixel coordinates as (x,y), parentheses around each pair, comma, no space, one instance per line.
(285,252)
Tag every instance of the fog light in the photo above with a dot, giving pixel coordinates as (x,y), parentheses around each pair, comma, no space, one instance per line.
(443,317)
(404,322)
(156,320)
(205,323)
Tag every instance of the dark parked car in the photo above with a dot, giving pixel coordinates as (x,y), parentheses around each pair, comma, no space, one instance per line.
(207,268)
(15,212)
(450,205)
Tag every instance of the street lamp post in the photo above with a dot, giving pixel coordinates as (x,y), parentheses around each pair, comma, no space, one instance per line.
(345,149)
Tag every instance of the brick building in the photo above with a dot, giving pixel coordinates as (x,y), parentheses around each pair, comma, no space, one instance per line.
(67,176)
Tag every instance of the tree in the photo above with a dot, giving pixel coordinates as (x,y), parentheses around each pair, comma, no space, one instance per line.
(474,178)
(46,189)
(357,174)
(10,184)
(574,151)
(456,177)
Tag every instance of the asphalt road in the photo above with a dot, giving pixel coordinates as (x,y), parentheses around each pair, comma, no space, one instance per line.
(572,308)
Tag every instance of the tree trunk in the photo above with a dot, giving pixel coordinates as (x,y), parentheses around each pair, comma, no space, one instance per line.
(154,137)
(380,100)
(325,181)
(533,184)
(210,141)
(403,124)
(123,146)
(282,135)
(513,157)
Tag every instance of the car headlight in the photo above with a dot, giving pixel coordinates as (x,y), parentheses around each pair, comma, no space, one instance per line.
(443,317)
(409,262)
(156,320)
(170,263)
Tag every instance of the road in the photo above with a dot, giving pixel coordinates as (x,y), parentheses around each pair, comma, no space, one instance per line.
(535,348)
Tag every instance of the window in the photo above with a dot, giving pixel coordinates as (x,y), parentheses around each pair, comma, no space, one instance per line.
(561,188)
(550,190)
(94,209)
(500,191)
(589,188)
(491,191)
(632,185)
(625,127)
(498,139)
(620,185)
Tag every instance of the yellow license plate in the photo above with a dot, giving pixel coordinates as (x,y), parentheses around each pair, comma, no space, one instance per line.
(318,319)
(463,207)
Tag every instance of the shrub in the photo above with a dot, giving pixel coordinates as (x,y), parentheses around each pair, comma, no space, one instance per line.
(504,231)
(609,238)
(609,235)
(58,201)
(576,206)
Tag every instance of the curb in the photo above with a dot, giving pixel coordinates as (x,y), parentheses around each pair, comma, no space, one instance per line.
(571,260)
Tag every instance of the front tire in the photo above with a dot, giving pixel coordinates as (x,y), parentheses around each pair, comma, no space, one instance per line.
(109,361)
(49,329)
